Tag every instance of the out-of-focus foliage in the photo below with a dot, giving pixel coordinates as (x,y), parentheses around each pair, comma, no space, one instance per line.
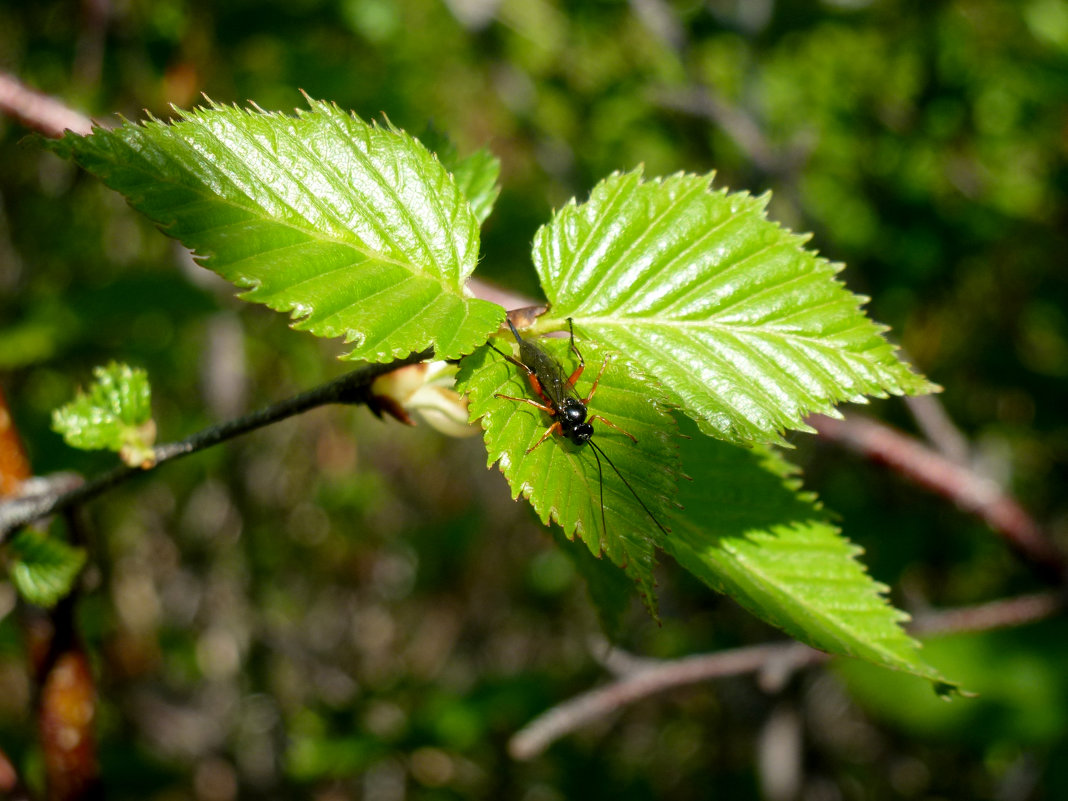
(334,608)
(43,568)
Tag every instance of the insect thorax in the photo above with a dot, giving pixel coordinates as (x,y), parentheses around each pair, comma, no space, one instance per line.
(573,423)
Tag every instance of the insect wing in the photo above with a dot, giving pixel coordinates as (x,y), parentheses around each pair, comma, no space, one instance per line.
(549,372)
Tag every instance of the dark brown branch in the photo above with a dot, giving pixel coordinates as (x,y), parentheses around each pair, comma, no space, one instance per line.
(971,492)
(351,388)
(776,660)
(37,111)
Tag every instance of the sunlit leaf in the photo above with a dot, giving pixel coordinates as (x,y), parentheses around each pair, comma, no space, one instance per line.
(749,331)
(354,228)
(476,175)
(748,532)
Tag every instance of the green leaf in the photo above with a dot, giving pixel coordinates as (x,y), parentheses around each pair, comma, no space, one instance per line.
(356,229)
(750,534)
(611,591)
(749,331)
(44,568)
(561,479)
(477,175)
(115,414)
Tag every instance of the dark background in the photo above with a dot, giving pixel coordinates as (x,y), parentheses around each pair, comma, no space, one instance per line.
(340,609)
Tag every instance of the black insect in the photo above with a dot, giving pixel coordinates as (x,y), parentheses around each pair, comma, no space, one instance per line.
(570,412)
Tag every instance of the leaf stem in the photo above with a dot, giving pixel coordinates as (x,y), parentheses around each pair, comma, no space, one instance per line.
(352,388)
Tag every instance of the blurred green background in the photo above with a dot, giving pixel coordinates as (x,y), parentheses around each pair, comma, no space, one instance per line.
(337,608)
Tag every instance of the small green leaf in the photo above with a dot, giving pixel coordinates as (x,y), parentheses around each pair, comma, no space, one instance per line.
(357,230)
(749,331)
(748,532)
(115,414)
(44,568)
(561,479)
(477,175)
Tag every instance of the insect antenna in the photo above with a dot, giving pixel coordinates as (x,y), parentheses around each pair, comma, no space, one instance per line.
(600,483)
(597,450)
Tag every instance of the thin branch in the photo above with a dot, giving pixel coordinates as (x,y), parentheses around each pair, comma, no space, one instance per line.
(971,492)
(776,659)
(584,709)
(37,111)
(1001,614)
(931,417)
(351,388)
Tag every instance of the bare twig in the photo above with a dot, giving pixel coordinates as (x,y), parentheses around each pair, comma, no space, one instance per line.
(351,388)
(989,616)
(643,677)
(37,111)
(577,712)
(970,491)
(930,415)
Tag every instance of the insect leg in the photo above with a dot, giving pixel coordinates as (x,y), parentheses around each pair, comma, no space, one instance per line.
(547,409)
(553,429)
(531,376)
(512,359)
(596,381)
(582,362)
(613,425)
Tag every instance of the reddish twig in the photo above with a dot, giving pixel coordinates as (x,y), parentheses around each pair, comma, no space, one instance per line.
(775,661)
(37,111)
(931,417)
(971,492)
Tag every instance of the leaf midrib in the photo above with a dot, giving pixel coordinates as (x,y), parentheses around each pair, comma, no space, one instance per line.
(264,217)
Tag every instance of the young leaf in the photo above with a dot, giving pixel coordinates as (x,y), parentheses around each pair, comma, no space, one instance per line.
(747,329)
(476,175)
(44,568)
(115,414)
(747,532)
(561,479)
(355,229)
